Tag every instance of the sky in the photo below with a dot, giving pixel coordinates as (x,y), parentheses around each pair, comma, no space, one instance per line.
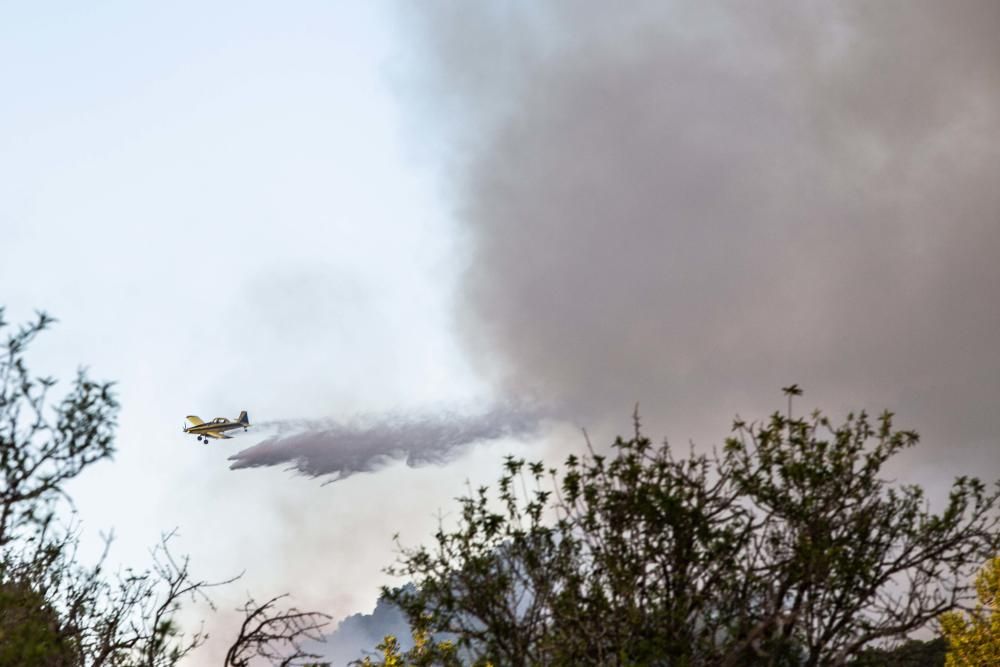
(219,206)
(324,211)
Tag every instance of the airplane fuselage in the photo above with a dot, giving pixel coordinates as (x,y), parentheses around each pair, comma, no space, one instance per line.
(217,427)
(213,426)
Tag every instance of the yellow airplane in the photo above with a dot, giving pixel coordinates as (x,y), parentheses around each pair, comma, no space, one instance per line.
(217,427)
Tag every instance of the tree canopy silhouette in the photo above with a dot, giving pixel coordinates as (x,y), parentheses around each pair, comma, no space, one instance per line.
(787,547)
(55,611)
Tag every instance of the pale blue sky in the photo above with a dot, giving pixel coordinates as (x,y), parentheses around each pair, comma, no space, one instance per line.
(219,204)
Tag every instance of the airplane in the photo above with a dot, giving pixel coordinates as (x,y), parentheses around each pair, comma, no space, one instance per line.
(217,427)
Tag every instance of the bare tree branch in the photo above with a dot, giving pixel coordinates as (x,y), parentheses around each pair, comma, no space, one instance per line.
(277,636)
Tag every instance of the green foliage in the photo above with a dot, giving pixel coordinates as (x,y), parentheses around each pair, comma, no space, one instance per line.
(53,610)
(974,637)
(789,547)
(912,653)
(44,597)
(31,634)
(425,653)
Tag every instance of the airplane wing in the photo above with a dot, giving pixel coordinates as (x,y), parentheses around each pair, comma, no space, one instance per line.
(195,420)
(217,434)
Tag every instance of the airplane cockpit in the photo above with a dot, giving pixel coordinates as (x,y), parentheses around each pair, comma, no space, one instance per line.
(219,420)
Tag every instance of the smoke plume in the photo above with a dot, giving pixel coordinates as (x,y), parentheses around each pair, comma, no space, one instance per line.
(691,205)
(327,447)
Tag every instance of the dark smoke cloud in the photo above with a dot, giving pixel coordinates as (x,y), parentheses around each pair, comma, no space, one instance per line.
(358,634)
(694,204)
(328,447)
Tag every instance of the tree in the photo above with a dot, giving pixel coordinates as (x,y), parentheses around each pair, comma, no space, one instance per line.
(787,548)
(30,629)
(974,637)
(60,611)
(55,611)
(424,653)
(912,653)
(276,636)
(41,450)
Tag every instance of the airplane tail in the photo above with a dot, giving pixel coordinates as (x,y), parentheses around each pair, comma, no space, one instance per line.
(244,419)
